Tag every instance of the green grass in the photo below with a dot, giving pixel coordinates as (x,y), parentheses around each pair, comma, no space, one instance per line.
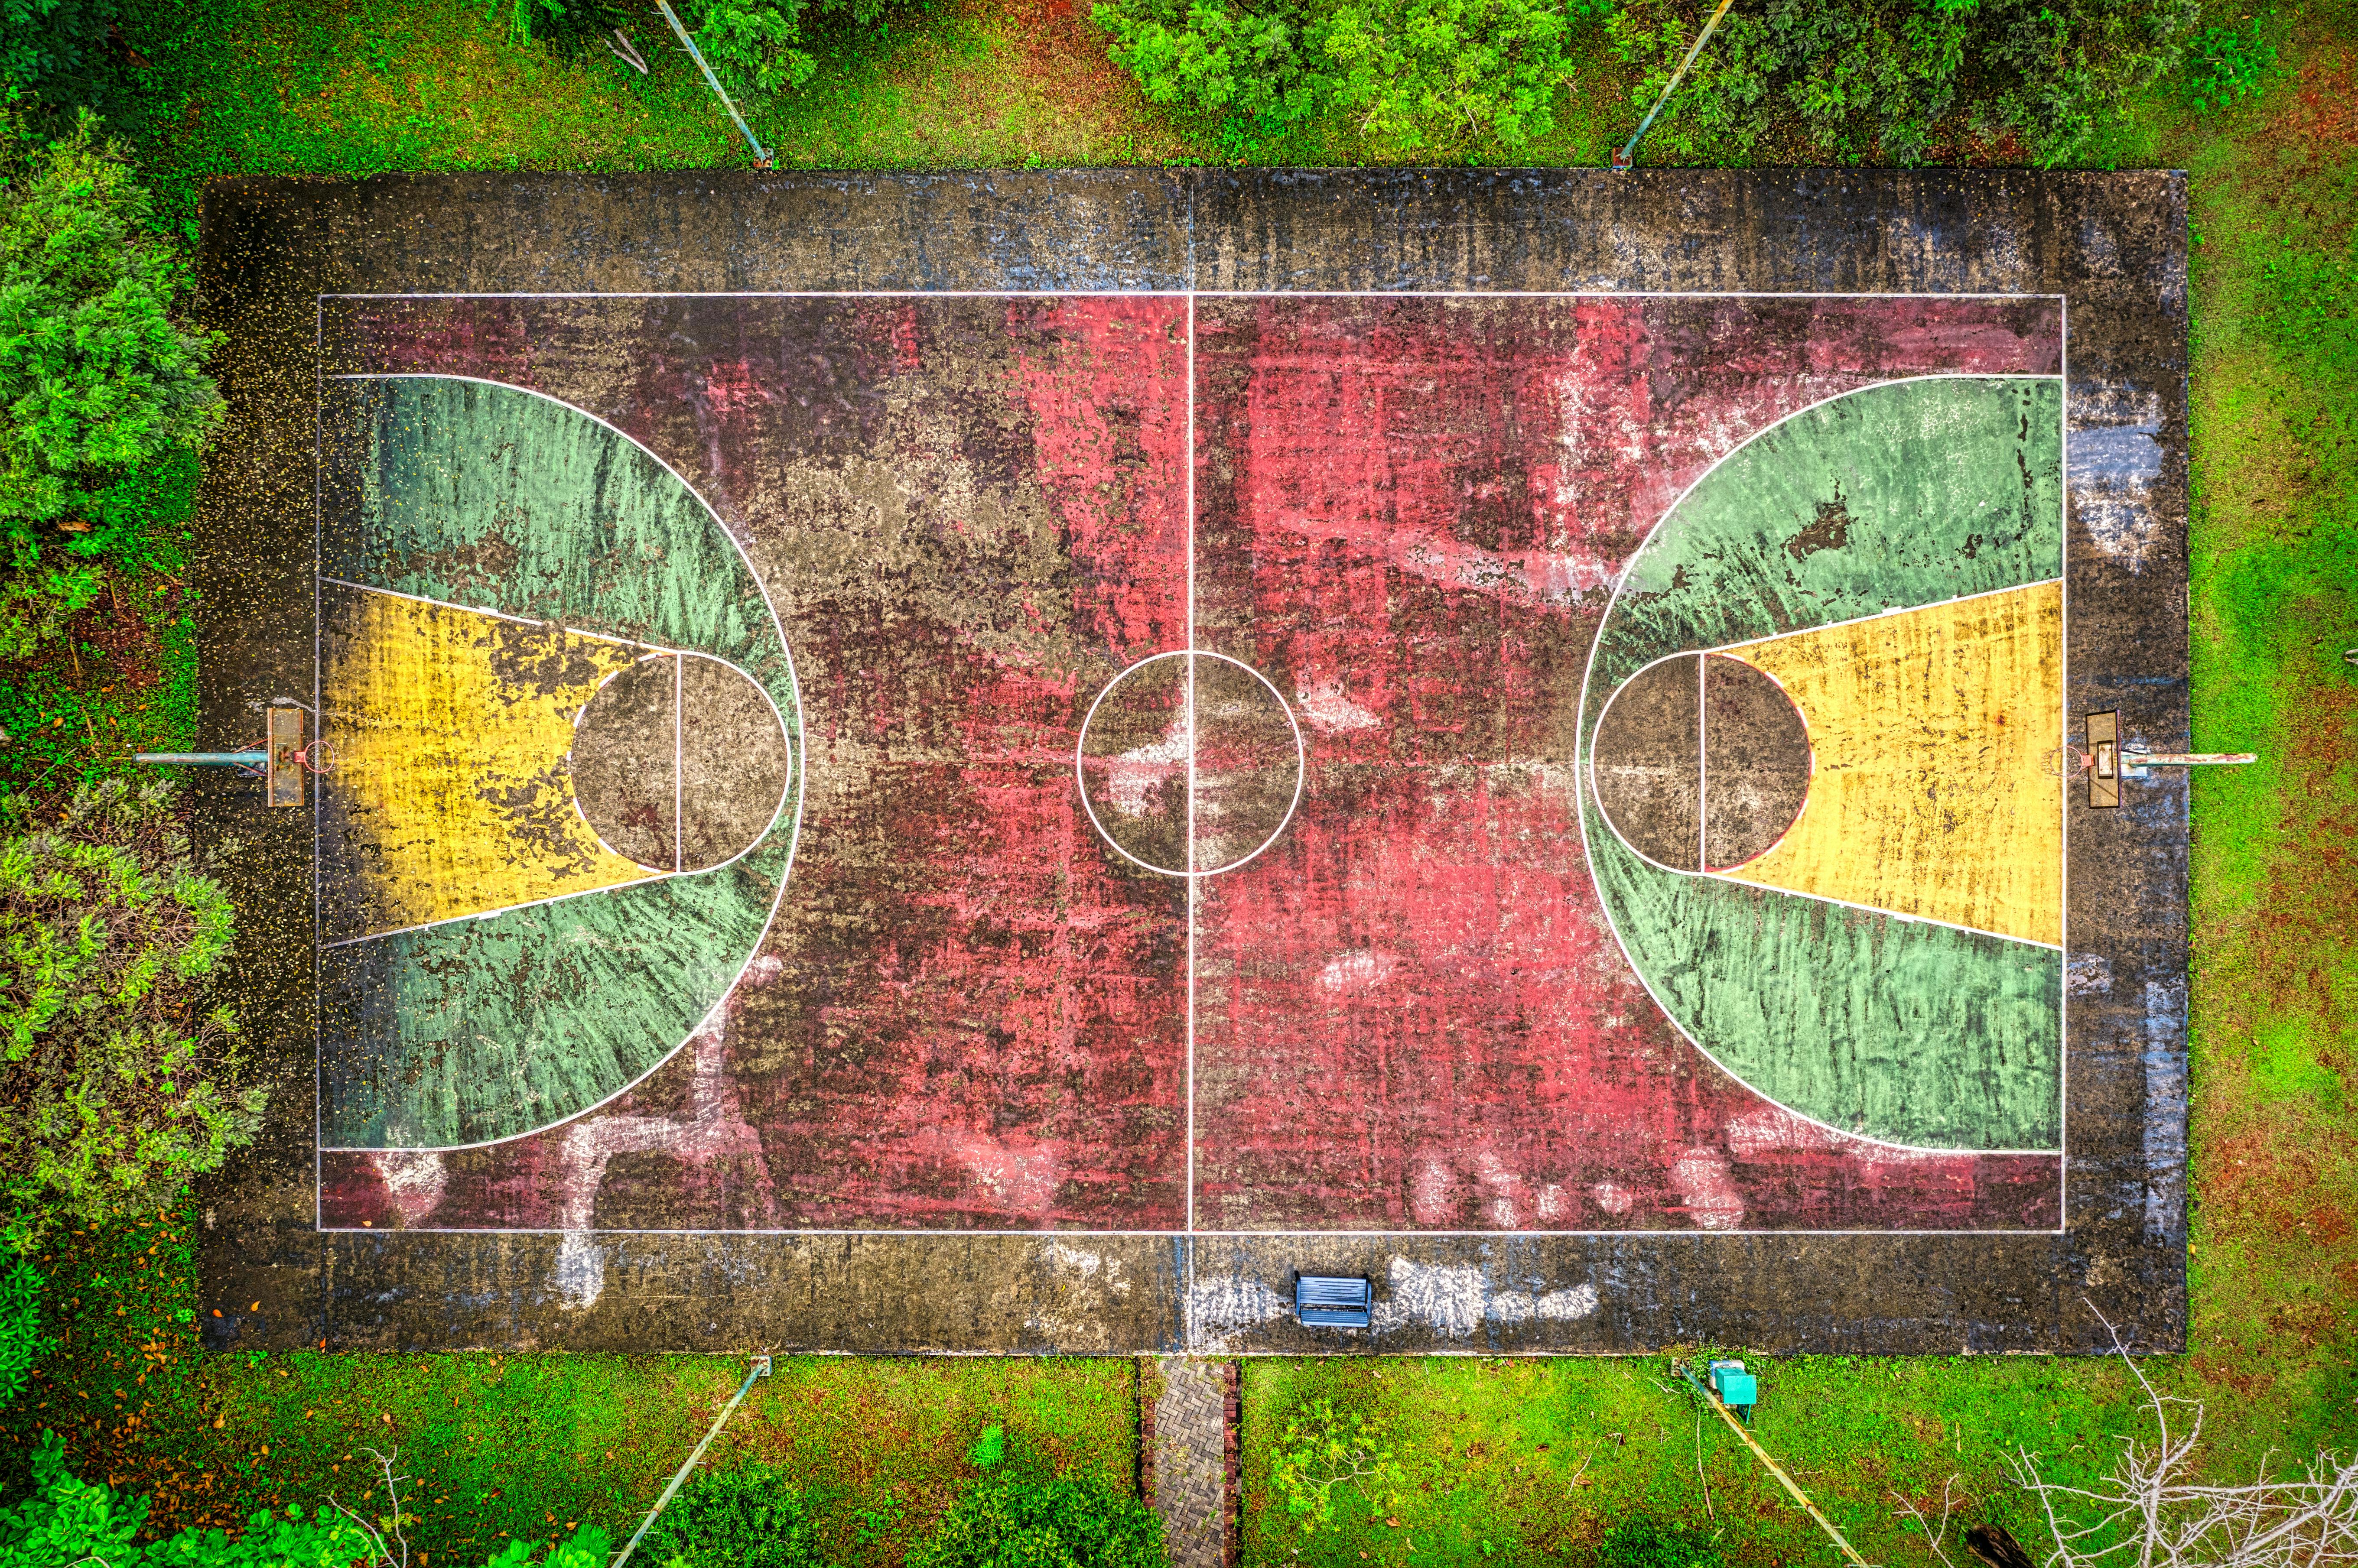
(518,1446)
(524,1444)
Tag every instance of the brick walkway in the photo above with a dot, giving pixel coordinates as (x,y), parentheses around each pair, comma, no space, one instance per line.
(1192,1459)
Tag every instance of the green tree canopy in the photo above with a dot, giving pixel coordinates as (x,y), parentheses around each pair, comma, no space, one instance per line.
(97,381)
(117,1083)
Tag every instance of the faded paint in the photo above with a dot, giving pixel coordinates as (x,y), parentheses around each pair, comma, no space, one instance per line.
(973,1010)
(449,730)
(1914,494)
(1938,791)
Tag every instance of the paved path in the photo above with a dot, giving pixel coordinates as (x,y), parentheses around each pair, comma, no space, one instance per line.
(1191,1460)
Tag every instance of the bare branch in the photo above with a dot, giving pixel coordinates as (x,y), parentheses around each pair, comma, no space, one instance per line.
(2150,1509)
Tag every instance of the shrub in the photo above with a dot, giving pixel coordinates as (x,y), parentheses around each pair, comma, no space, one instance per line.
(1323,1448)
(115,1086)
(70,1523)
(1412,73)
(1858,79)
(749,1516)
(2223,65)
(21,1340)
(97,385)
(36,604)
(60,52)
(1006,1522)
(1649,1544)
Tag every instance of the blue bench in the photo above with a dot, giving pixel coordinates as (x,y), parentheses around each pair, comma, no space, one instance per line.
(1333,1301)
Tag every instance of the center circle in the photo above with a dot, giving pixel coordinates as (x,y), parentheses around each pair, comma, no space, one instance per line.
(680,762)
(1190,763)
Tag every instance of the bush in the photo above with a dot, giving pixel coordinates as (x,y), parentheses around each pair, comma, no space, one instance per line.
(755,47)
(747,1516)
(97,385)
(21,1340)
(2225,64)
(1858,79)
(1004,1522)
(68,1523)
(1409,73)
(1649,1544)
(115,1087)
(60,52)
(1323,1448)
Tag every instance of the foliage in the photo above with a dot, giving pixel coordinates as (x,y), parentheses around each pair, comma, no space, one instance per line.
(1646,1541)
(1005,1521)
(1323,1448)
(108,1102)
(97,384)
(1882,79)
(2224,65)
(67,1522)
(750,1516)
(21,1340)
(989,1449)
(59,52)
(2153,1508)
(37,603)
(1409,73)
(524,19)
(757,46)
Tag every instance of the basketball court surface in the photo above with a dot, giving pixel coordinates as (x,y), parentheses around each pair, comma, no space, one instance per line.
(1012,761)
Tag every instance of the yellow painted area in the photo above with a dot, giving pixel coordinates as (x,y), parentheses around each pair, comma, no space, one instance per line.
(451,730)
(1936,791)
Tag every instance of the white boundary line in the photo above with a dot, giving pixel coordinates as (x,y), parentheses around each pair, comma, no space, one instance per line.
(1190,295)
(2063,804)
(797,764)
(319,736)
(1187,458)
(1069,1233)
(1175,291)
(1581,783)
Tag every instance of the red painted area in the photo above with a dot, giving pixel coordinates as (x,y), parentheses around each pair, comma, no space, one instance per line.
(1410,1013)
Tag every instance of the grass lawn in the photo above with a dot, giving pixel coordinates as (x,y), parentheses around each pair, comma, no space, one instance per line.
(1517,1461)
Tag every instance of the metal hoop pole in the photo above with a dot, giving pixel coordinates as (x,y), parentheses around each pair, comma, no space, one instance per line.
(746,131)
(761,1370)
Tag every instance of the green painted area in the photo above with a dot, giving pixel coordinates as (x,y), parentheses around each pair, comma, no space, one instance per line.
(500,498)
(495,498)
(476,1030)
(1908,1032)
(1898,495)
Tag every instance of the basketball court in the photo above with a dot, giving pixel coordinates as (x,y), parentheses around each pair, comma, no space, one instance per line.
(1012,763)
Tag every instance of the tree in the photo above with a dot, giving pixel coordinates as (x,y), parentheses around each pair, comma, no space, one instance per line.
(1409,73)
(97,382)
(1879,79)
(117,1085)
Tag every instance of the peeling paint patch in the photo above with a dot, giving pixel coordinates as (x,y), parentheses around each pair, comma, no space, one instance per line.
(1219,1307)
(580,1272)
(2113,462)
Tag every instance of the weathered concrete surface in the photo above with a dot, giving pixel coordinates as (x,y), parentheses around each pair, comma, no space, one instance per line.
(2111,245)
(1193,1434)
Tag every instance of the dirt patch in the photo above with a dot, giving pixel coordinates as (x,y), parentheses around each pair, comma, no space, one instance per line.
(2323,108)
(129,656)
